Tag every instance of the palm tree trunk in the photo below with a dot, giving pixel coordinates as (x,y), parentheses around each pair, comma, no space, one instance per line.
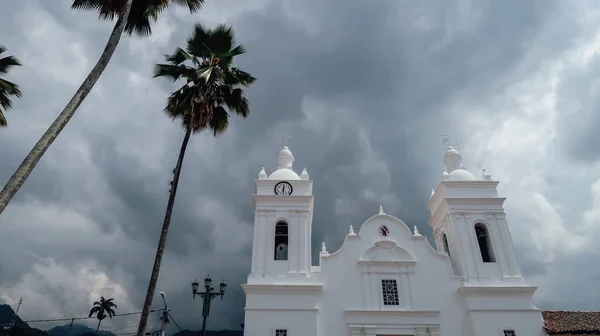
(98,327)
(163,237)
(18,178)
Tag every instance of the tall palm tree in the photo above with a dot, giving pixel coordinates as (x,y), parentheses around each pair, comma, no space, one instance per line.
(211,90)
(133,16)
(7,88)
(101,308)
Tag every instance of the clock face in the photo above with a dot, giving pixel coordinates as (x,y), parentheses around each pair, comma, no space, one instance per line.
(384,231)
(283,189)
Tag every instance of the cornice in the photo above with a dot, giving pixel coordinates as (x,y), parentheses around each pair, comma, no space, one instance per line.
(282,308)
(393,263)
(390,312)
(474,290)
(470,184)
(282,289)
(273,182)
(474,200)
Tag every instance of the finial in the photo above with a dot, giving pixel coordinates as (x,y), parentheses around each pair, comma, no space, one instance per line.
(323,247)
(262,175)
(283,139)
(416,232)
(304,175)
(351,231)
(485,176)
(446,140)
(381,210)
(432,193)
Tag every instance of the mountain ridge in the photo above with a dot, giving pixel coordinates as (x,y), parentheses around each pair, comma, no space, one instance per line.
(21,328)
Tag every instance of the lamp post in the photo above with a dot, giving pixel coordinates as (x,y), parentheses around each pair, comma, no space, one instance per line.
(207,296)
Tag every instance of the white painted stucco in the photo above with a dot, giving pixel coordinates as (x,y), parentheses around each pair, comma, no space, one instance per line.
(438,294)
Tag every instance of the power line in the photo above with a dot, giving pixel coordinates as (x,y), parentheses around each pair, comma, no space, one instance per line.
(172,319)
(153,328)
(84,318)
(129,326)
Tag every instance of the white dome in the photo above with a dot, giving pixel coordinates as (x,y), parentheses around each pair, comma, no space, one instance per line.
(461,175)
(284,166)
(284,174)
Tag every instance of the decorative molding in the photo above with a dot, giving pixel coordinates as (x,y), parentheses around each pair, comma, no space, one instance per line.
(475,200)
(365,264)
(357,329)
(470,184)
(407,312)
(282,289)
(470,290)
(282,308)
(527,310)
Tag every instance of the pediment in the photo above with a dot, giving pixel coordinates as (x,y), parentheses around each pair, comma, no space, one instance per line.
(386,251)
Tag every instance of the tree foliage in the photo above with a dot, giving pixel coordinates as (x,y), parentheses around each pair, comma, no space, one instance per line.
(7,89)
(211,81)
(141,14)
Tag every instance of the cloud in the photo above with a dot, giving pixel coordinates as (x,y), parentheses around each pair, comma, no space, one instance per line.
(365,91)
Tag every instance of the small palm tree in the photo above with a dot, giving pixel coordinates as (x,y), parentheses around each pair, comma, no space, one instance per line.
(133,17)
(101,309)
(212,87)
(7,88)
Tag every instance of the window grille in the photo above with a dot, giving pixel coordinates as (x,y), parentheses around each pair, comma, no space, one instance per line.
(389,288)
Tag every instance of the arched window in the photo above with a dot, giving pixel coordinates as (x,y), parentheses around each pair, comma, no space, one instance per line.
(485,243)
(445,242)
(281,241)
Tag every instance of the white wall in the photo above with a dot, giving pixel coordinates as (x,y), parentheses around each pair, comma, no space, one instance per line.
(350,296)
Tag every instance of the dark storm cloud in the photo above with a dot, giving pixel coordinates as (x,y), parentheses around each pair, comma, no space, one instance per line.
(383,72)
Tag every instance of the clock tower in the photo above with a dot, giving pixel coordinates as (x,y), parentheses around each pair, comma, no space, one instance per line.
(283,209)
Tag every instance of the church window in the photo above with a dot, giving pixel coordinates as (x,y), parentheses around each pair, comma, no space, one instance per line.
(389,289)
(485,244)
(280,332)
(510,332)
(446,246)
(281,241)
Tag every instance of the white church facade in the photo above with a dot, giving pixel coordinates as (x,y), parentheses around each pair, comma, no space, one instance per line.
(387,279)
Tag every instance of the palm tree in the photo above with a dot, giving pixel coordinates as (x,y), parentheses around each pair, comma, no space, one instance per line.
(133,16)
(211,89)
(7,88)
(101,308)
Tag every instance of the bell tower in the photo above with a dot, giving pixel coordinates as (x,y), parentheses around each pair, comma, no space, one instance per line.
(283,209)
(469,224)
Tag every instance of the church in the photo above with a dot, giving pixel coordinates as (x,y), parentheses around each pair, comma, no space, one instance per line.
(387,279)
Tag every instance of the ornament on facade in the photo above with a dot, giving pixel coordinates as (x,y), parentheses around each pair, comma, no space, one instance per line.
(416,232)
(304,175)
(351,231)
(323,247)
(262,175)
(381,210)
(384,231)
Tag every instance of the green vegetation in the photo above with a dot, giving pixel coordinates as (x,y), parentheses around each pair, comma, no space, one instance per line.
(7,89)
(212,89)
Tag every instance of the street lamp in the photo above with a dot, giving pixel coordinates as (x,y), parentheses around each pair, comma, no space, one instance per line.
(207,296)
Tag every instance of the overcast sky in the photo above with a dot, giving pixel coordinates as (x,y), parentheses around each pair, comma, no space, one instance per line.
(365,87)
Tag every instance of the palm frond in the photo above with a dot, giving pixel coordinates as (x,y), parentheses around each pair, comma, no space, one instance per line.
(193,5)
(7,63)
(94,310)
(141,14)
(178,57)
(219,121)
(212,89)
(174,72)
